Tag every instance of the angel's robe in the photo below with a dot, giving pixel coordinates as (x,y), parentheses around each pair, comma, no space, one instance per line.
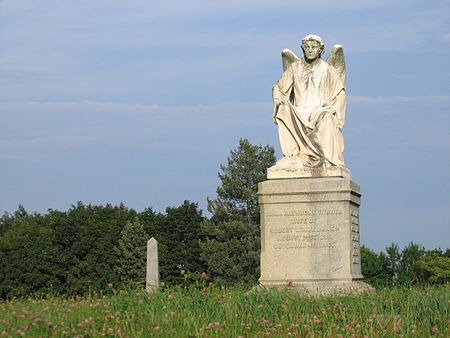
(311,114)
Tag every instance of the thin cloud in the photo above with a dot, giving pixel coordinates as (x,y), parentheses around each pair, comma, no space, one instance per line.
(108,152)
(75,77)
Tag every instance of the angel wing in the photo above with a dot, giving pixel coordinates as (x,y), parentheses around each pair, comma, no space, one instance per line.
(337,60)
(288,57)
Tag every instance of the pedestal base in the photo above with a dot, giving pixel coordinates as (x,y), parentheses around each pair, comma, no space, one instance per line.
(293,167)
(321,288)
(310,235)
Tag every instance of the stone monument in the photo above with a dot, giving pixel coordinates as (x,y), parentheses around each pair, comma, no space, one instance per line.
(309,204)
(152,274)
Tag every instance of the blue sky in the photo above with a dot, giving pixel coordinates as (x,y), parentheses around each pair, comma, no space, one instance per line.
(141,101)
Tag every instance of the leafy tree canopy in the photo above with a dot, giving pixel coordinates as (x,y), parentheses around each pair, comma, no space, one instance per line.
(131,251)
(237,195)
(232,245)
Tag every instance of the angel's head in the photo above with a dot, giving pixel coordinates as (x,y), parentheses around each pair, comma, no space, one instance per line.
(312,47)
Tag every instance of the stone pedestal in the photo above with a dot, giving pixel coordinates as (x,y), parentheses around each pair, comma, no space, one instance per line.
(310,235)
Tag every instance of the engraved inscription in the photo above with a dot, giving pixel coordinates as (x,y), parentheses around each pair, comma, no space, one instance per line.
(281,230)
(306,228)
(354,221)
(304,245)
(314,212)
(302,229)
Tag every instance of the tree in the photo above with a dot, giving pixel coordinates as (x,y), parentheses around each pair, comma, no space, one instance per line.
(237,196)
(231,251)
(131,253)
(29,261)
(88,235)
(20,216)
(178,234)
(412,266)
(375,267)
(232,236)
(436,267)
(152,222)
(410,271)
(393,260)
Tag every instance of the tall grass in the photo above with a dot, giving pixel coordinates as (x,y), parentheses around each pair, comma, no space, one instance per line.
(233,312)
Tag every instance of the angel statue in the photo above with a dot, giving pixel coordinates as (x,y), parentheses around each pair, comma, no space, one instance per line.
(309,105)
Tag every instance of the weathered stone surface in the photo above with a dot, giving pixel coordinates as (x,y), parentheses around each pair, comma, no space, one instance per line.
(310,104)
(310,235)
(293,167)
(152,276)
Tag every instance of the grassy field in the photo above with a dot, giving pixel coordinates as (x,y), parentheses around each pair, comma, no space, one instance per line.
(234,312)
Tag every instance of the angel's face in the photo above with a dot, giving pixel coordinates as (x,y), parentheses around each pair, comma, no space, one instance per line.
(312,50)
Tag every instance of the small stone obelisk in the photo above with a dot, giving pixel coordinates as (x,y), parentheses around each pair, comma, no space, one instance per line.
(152,276)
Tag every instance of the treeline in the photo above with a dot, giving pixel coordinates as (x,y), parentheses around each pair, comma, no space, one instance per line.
(92,248)
(411,266)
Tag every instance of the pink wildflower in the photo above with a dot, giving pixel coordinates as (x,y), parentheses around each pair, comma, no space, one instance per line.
(212,325)
(20,333)
(435,329)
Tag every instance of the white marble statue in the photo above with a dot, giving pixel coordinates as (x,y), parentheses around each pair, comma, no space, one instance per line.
(309,105)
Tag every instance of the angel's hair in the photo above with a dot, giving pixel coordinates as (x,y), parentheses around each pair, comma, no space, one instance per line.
(312,37)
